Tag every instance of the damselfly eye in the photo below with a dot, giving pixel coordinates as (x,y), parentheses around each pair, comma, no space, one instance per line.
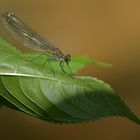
(68,57)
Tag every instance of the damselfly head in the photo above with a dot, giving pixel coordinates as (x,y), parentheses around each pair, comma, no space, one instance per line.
(67,58)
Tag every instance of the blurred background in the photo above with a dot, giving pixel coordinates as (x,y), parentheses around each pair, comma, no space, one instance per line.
(105,30)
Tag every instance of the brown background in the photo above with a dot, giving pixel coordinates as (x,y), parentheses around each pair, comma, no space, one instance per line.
(107,30)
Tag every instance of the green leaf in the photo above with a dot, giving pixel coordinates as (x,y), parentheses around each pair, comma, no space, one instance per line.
(28,87)
(77,62)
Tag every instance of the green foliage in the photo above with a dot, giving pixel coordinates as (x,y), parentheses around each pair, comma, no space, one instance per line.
(29,87)
(77,63)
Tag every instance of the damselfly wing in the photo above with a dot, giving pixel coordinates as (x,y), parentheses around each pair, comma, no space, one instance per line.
(30,39)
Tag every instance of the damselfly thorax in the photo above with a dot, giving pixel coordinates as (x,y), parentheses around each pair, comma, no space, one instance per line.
(30,39)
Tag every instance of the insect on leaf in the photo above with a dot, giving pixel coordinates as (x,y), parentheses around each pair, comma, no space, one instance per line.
(28,87)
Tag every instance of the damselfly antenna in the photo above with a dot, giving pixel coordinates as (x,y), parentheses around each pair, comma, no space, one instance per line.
(30,39)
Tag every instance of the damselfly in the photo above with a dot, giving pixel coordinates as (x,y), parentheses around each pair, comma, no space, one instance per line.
(30,39)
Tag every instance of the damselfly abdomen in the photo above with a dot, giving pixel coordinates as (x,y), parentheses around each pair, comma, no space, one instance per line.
(30,39)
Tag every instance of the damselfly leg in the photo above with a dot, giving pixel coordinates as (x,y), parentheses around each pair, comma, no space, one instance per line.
(49,60)
(62,68)
(35,58)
